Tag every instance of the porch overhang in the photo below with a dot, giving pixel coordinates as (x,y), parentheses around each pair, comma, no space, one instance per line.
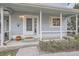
(35,8)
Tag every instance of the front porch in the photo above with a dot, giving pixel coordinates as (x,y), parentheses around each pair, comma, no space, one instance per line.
(11,45)
(18,14)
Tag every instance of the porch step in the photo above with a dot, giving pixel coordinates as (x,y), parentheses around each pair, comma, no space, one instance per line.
(17,44)
(29,40)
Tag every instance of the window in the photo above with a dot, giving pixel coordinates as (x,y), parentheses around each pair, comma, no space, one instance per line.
(55,21)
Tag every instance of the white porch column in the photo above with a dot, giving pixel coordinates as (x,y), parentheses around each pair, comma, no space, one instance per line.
(61,18)
(9,26)
(40,25)
(76,24)
(2,25)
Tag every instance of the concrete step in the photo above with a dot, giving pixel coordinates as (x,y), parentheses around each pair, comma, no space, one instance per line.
(28,51)
(30,40)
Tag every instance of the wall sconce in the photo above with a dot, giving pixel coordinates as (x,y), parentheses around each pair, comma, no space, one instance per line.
(21,17)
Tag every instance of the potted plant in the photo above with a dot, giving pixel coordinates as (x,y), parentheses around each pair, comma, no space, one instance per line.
(18,38)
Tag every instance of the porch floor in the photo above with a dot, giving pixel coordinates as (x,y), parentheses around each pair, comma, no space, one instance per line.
(18,44)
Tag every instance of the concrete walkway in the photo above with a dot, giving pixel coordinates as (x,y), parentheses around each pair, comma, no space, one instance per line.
(29,51)
(33,51)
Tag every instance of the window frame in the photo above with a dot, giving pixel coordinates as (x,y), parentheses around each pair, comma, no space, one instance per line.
(51,21)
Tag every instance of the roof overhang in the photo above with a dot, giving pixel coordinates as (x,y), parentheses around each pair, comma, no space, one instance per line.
(52,8)
(36,8)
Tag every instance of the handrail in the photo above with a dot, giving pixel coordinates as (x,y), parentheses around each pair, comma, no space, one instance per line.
(53,31)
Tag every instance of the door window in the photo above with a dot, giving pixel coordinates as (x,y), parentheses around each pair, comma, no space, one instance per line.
(29,24)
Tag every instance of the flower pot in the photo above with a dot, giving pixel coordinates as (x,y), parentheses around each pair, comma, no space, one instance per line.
(18,38)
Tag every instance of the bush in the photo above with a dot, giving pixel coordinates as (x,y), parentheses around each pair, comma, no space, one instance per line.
(76,37)
(56,46)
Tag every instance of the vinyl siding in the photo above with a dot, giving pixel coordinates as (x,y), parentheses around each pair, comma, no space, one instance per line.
(15,21)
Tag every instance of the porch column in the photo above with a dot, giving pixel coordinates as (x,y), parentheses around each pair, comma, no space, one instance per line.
(9,26)
(76,24)
(40,25)
(61,18)
(2,25)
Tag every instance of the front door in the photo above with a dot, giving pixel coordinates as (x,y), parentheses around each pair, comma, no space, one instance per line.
(30,26)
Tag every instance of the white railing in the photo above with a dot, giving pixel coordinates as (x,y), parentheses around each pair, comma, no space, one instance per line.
(53,31)
(71,30)
(62,31)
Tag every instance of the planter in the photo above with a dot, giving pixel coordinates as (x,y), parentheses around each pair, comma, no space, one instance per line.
(18,38)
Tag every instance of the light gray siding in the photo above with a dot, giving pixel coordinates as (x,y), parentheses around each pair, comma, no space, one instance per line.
(46,26)
(15,21)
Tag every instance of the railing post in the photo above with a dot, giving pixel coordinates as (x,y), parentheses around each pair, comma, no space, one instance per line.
(40,25)
(76,24)
(61,18)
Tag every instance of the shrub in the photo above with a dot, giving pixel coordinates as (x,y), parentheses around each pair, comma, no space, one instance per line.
(76,37)
(56,46)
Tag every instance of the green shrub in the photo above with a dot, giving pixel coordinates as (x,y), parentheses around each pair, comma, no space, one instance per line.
(76,37)
(62,45)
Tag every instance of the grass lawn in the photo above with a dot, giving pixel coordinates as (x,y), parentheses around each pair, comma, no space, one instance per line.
(9,52)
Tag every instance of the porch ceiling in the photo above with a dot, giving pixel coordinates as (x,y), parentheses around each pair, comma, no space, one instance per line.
(35,9)
(21,8)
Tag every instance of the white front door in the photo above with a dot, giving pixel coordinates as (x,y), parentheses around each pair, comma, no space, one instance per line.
(30,25)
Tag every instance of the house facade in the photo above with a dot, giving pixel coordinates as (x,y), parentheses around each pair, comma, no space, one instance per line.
(34,20)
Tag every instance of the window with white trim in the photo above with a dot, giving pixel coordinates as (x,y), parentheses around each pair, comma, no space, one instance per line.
(55,21)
